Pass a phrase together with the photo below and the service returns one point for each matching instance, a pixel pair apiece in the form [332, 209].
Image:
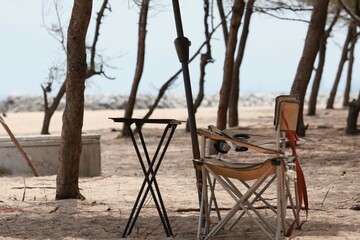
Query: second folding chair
[265, 192]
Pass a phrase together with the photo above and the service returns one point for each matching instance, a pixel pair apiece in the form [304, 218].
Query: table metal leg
[147, 172]
[166, 224]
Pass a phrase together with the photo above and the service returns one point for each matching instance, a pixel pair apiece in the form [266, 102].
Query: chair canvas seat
[240, 171]
[247, 183]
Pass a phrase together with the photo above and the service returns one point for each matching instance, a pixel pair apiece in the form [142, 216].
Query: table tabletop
[150, 120]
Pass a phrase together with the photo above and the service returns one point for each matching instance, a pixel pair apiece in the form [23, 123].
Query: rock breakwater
[106, 101]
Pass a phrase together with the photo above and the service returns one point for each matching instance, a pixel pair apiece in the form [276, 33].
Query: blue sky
[271, 58]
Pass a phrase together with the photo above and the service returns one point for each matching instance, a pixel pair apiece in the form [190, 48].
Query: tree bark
[223, 21]
[139, 62]
[238, 9]
[317, 78]
[235, 89]
[350, 66]
[311, 48]
[320, 68]
[354, 108]
[343, 59]
[71, 144]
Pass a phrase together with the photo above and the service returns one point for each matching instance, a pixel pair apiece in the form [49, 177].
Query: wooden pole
[182, 45]
[17, 144]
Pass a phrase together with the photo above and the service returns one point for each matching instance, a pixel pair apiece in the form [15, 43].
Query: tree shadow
[109, 225]
[90, 225]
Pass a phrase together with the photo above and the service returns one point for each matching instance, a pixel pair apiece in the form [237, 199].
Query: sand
[330, 160]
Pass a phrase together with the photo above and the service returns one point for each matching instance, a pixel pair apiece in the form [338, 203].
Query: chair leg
[240, 199]
[223, 221]
[281, 202]
[296, 213]
[204, 217]
[293, 198]
[201, 209]
[212, 199]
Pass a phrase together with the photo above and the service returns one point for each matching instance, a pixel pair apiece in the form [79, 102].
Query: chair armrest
[219, 135]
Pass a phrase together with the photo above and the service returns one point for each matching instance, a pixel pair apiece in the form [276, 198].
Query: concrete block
[43, 151]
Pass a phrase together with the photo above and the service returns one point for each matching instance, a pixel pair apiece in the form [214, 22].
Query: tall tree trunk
[350, 67]
[320, 68]
[235, 89]
[223, 21]
[70, 148]
[139, 62]
[317, 78]
[354, 108]
[311, 48]
[343, 59]
[238, 9]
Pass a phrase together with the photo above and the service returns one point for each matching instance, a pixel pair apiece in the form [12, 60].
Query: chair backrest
[287, 106]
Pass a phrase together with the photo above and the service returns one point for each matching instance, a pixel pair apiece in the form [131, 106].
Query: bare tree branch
[264, 11]
[56, 31]
[272, 7]
[350, 12]
[100, 15]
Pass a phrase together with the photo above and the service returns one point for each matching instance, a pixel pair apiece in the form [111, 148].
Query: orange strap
[301, 185]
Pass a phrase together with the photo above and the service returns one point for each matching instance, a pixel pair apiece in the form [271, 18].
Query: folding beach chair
[253, 185]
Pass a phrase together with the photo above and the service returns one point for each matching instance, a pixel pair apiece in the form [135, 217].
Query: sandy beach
[330, 160]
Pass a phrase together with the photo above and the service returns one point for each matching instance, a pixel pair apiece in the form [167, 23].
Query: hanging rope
[301, 184]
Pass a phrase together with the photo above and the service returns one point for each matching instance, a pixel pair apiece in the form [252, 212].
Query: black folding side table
[149, 169]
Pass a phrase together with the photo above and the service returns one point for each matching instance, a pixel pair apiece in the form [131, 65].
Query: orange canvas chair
[250, 184]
